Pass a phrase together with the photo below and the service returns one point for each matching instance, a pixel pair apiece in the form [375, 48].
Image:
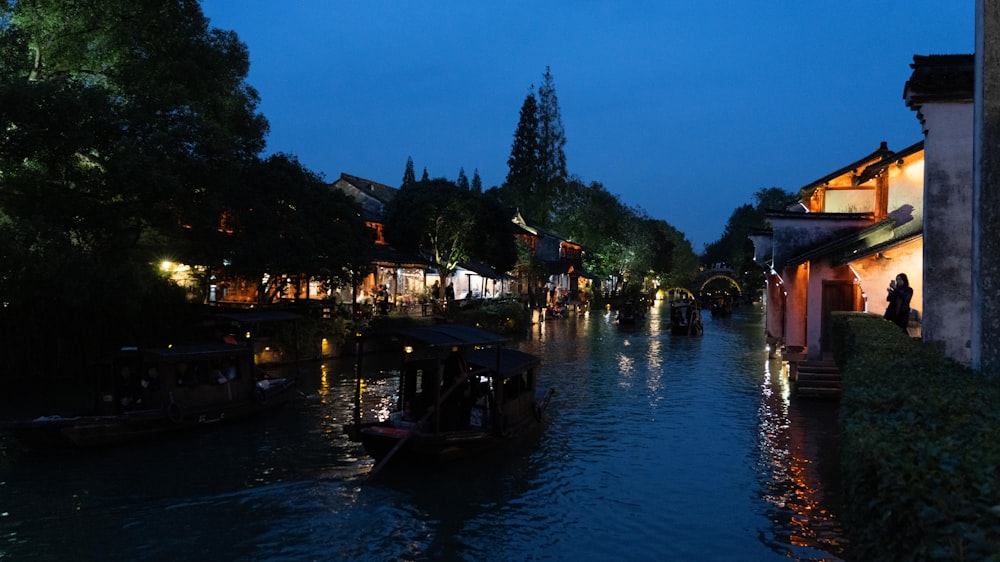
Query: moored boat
[148, 392]
[460, 393]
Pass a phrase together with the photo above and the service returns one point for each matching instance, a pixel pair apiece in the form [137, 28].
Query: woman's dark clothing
[898, 310]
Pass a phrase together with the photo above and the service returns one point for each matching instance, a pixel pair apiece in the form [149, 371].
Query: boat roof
[447, 335]
[257, 316]
[193, 351]
[505, 362]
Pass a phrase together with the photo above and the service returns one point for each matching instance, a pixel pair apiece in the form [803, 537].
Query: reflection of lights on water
[626, 365]
[324, 381]
[788, 482]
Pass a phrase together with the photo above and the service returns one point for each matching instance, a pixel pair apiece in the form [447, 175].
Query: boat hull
[381, 440]
[88, 431]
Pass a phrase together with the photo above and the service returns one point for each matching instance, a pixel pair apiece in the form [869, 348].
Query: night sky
[684, 109]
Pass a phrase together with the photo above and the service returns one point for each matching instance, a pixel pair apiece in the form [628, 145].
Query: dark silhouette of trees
[409, 177]
[521, 186]
[536, 177]
[128, 136]
[288, 226]
[477, 182]
[734, 246]
[452, 224]
[551, 146]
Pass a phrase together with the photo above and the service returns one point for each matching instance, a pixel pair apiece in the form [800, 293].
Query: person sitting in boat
[404, 419]
[150, 383]
[129, 390]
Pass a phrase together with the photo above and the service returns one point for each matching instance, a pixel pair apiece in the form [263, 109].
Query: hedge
[920, 449]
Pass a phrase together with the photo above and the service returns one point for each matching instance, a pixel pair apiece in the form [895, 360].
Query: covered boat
[147, 392]
[460, 393]
[685, 319]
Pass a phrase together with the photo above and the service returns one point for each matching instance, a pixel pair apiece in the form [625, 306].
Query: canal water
[658, 447]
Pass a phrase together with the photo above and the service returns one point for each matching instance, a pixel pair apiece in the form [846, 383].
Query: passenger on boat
[404, 419]
[150, 384]
[130, 391]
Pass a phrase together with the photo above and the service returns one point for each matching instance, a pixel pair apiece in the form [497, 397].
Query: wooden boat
[685, 319]
[147, 392]
[460, 393]
[631, 313]
[722, 308]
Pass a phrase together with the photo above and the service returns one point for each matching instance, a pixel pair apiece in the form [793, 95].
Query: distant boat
[685, 319]
[144, 393]
[460, 393]
[722, 307]
[631, 313]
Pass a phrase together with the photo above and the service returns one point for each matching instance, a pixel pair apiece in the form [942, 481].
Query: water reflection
[658, 447]
[796, 439]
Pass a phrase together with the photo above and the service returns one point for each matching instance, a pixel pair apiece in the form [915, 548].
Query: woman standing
[900, 293]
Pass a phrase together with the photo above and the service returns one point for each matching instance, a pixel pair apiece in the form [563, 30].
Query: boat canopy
[449, 335]
[506, 363]
[190, 352]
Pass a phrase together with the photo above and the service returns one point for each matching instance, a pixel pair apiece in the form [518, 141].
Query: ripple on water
[658, 447]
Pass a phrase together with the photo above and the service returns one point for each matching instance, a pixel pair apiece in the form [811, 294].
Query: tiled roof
[854, 167]
[873, 170]
[940, 78]
[379, 191]
[850, 244]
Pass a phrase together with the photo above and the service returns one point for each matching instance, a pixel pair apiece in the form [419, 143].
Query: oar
[399, 444]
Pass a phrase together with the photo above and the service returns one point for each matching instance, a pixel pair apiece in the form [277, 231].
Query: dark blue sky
[684, 109]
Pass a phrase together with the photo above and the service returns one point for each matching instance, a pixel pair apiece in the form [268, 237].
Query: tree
[598, 221]
[520, 188]
[621, 242]
[537, 176]
[477, 182]
[551, 144]
[120, 124]
[684, 263]
[463, 180]
[409, 177]
[448, 222]
[288, 227]
[734, 246]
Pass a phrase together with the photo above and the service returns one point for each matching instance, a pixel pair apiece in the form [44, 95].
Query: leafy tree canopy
[287, 220]
[452, 224]
[126, 130]
[734, 246]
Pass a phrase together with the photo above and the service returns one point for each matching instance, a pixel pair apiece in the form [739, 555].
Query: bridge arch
[727, 278]
[673, 293]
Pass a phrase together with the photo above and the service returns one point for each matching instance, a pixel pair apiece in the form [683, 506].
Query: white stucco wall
[850, 201]
[947, 278]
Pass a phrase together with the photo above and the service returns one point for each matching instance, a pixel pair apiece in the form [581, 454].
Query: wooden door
[837, 295]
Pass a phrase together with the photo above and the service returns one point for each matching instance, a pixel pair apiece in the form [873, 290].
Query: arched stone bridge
[719, 278]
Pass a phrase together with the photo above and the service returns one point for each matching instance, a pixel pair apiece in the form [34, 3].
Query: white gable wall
[948, 144]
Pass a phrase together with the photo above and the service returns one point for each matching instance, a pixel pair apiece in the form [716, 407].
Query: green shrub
[307, 333]
[502, 317]
[920, 448]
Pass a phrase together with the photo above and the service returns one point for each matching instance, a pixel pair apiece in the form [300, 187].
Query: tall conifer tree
[551, 146]
[463, 180]
[409, 176]
[477, 182]
[523, 164]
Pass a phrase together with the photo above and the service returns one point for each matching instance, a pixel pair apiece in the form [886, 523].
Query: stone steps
[818, 379]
